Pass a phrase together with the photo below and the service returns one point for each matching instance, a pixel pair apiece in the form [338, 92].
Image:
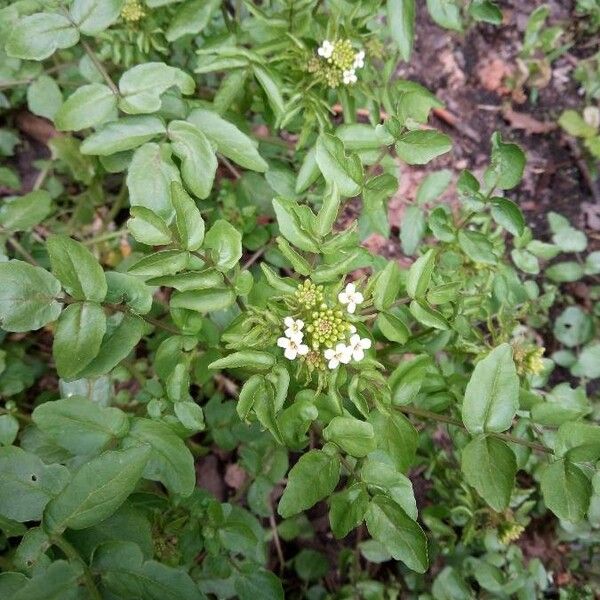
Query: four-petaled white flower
[349, 77]
[326, 49]
[359, 60]
[294, 329]
[292, 348]
[350, 297]
[358, 346]
[342, 354]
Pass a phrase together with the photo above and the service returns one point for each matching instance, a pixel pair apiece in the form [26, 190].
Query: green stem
[507, 437]
[12, 241]
[100, 67]
[71, 553]
[104, 237]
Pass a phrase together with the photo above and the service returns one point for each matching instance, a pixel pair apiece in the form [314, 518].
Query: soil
[471, 74]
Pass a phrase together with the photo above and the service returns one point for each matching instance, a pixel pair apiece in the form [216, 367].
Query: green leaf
[80, 425]
[88, 106]
[252, 583]
[397, 437]
[311, 479]
[249, 359]
[190, 415]
[477, 247]
[191, 18]
[401, 16]
[343, 171]
[490, 466]
[486, 11]
[563, 272]
[353, 436]
[225, 243]
[78, 337]
[492, 395]
[159, 264]
[328, 213]
[123, 287]
[419, 274]
[228, 139]
[392, 328]
[412, 229]
[382, 477]
[126, 575]
[420, 146]
[387, 286]
[170, 462]
[433, 186]
[573, 327]
[147, 227]
[525, 261]
[397, 532]
[427, 315]
[28, 296]
[198, 159]
[94, 16]
[189, 222]
[508, 215]
[96, 490]
[347, 509]
[76, 268]
[292, 226]
[25, 212]
[9, 428]
[142, 85]
[566, 490]
[27, 484]
[567, 238]
[37, 36]
[203, 301]
[60, 581]
[125, 134]
[149, 179]
[267, 80]
[507, 165]
[574, 124]
[588, 362]
[44, 97]
[446, 13]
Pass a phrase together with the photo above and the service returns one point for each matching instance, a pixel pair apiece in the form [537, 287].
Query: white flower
[358, 346]
[349, 77]
[351, 297]
[292, 348]
[294, 329]
[359, 60]
[352, 329]
[341, 354]
[326, 49]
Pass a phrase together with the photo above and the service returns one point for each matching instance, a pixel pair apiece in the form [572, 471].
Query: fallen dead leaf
[492, 73]
[37, 128]
[520, 120]
[235, 476]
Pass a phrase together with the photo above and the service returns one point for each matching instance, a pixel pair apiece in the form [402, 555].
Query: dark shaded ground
[470, 73]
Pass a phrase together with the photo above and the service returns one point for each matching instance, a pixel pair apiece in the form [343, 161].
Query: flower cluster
[510, 532]
[331, 339]
[132, 11]
[528, 359]
[337, 62]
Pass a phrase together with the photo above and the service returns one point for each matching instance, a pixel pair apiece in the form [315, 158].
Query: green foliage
[179, 288]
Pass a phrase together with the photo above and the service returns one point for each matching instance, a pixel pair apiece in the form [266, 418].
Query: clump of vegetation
[178, 284]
